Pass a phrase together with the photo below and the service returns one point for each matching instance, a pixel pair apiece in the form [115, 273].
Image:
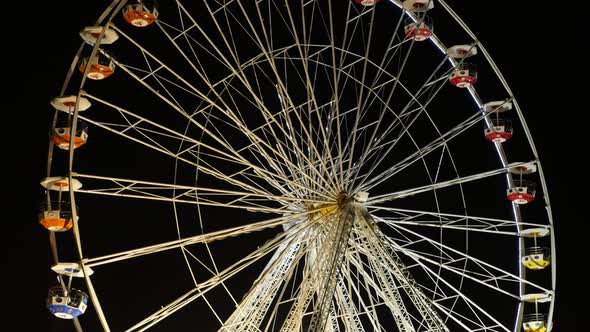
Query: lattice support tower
[394, 265]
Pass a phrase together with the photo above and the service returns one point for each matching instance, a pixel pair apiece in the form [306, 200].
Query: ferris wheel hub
[342, 199]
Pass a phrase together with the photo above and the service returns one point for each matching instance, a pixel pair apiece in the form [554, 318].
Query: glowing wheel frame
[346, 173]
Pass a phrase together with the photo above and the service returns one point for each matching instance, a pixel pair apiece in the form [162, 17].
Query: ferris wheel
[293, 166]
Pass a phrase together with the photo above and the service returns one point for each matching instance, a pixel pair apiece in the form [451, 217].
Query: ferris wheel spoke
[459, 222]
[253, 201]
[176, 78]
[356, 29]
[217, 278]
[197, 239]
[340, 118]
[216, 137]
[253, 94]
[222, 52]
[475, 317]
[455, 261]
[306, 166]
[422, 90]
[466, 323]
[352, 16]
[484, 277]
[443, 184]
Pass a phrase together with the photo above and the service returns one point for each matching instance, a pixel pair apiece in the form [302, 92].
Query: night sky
[535, 49]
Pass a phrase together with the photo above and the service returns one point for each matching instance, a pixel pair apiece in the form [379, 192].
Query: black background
[537, 48]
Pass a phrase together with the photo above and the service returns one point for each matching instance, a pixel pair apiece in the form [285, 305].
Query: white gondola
[60, 183]
[499, 106]
[71, 269]
[68, 103]
[462, 51]
[90, 35]
[536, 297]
[367, 3]
[535, 232]
[528, 168]
[418, 6]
